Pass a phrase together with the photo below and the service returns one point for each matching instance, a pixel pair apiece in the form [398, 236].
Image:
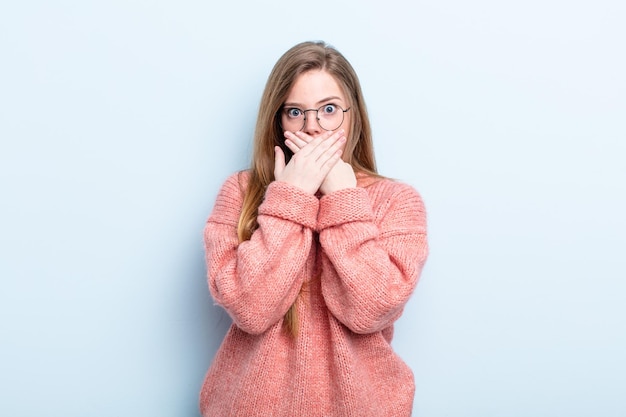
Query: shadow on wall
[210, 324]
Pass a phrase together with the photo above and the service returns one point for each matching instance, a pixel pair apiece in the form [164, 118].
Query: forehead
[314, 85]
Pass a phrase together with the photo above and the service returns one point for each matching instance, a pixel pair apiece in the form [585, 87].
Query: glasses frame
[304, 112]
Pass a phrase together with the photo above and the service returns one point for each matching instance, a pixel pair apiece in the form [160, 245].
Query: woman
[313, 255]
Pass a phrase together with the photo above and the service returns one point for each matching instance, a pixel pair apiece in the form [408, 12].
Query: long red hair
[359, 151]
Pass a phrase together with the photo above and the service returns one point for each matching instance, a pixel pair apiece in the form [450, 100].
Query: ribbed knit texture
[351, 259]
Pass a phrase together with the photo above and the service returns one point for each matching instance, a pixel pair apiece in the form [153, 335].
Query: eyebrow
[318, 103]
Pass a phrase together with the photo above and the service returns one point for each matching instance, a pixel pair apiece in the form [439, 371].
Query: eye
[329, 109]
[294, 112]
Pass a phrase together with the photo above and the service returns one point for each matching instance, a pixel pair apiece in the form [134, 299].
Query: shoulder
[388, 188]
[236, 182]
[234, 186]
[230, 198]
[394, 197]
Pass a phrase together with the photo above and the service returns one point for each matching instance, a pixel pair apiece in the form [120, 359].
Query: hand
[340, 176]
[310, 166]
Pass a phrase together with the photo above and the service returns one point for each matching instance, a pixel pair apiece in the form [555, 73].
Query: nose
[311, 124]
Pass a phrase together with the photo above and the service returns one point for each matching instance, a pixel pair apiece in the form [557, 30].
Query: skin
[316, 164]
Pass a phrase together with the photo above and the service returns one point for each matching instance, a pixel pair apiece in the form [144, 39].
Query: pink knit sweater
[352, 259]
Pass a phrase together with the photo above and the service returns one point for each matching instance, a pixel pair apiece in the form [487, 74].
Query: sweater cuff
[344, 206]
[291, 203]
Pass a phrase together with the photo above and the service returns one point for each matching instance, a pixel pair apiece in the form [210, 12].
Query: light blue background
[119, 120]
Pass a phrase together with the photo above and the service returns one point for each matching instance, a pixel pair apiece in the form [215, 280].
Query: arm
[373, 258]
[256, 281]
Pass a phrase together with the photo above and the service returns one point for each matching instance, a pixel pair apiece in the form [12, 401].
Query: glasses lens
[330, 116]
[292, 119]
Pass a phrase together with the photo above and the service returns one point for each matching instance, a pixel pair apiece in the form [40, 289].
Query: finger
[321, 143]
[331, 162]
[327, 137]
[279, 161]
[328, 146]
[292, 146]
[299, 143]
[329, 154]
[332, 149]
[308, 138]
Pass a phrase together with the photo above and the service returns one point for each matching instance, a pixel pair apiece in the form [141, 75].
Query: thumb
[279, 161]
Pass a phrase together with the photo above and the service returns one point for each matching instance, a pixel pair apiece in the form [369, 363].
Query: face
[316, 89]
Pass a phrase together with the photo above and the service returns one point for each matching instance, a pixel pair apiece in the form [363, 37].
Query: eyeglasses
[329, 117]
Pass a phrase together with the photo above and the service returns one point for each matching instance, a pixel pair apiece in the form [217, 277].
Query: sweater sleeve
[257, 280]
[377, 256]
